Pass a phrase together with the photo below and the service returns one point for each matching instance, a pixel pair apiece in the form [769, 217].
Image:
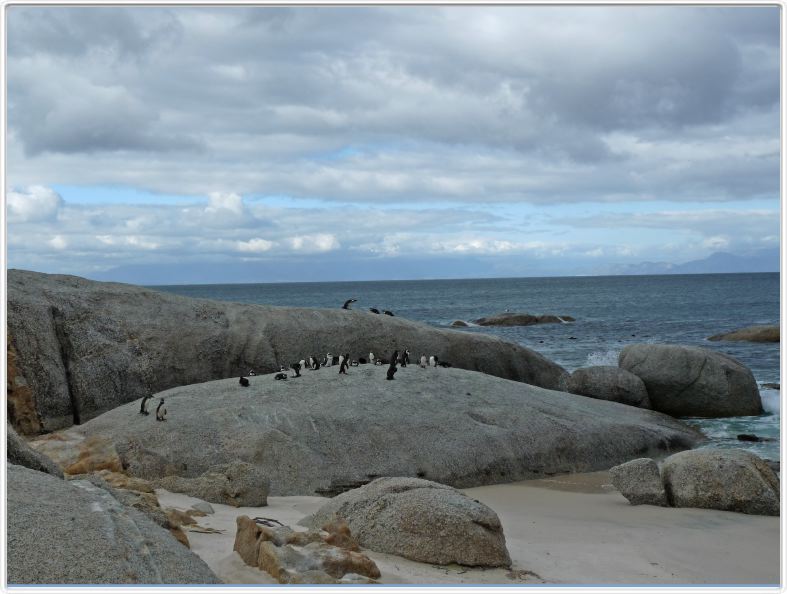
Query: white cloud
[256, 245]
[35, 203]
[320, 242]
[58, 242]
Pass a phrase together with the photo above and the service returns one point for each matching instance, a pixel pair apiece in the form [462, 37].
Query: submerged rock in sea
[459, 324]
[687, 381]
[609, 383]
[74, 532]
[639, 481]
[84, 347]
[238, 484]
[751, 334]
[325, 431]
[521, 319]
[731, 480]
[419, 520]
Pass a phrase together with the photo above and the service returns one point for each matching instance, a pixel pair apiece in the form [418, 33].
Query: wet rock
[751, 334]
[521, 319]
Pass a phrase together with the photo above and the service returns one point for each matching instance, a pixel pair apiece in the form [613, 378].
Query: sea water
[611, 312]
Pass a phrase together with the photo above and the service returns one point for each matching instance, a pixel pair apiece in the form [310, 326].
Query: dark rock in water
[85, 347]
[454, 426]
[419, 520]
[609, 383]
[74, 532]
[751, 334]
[521, 319]
[748, 437]
[731, 480]
[771, 386]
[20, 453]
[693, 382]
[459, 324]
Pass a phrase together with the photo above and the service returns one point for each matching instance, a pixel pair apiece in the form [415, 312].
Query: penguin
[371, 357]
[280, 376]
[348, 302]
[404, 358]
[296, 367]
[161, 413]
[328, 360]
[282, 369]
[243, 382]
[354, 363]
[302, 363]
[423, 361]
[343, 365]
[143, 408]
[386, 312]
[251, 373]
[374, 310]
[392, 366]
[431, 361]
[341, 360]
[444, 364]
[315, 363]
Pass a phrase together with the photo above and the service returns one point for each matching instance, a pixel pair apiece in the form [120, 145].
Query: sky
[251, 144]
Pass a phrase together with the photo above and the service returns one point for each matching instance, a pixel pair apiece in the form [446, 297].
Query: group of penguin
[374, 310]
[161, 412]
[313, 363]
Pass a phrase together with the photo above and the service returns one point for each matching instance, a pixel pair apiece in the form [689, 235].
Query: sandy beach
[573, 529]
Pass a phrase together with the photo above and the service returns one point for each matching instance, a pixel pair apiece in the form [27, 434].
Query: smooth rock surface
[323, 431]
[73, 532]
[419, 520]
[693, 382]
[609, 383]
[751, 334]
[20, 453]
[731, 480]
[639, 481]
[85, 347]
[521, 319]
[237, 483]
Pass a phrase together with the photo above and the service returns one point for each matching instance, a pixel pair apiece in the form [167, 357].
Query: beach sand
[572, 529]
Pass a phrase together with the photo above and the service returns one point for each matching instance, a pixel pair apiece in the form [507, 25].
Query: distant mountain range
[718, 262]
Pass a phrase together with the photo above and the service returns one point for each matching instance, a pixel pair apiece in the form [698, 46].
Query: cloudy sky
[244, 144]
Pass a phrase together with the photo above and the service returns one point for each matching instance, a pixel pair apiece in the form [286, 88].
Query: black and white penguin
[143, 408]
[341, 360]
[423, 361]
[386, 312]
[348, 302]
[432, 361]
[371, 357]
[315, 363]
[392, 366]
[344, 364]
[251, 373]
[445, 364]
[354, 363]
[374, 310]
[161, 413]
[243, 382]
[280, 376]
[302, 363]
[404, 358]
[296, 367]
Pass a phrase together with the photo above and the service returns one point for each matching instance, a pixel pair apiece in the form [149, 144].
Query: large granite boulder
[687, 381]
[238, 484]
[521, 319]
[324, 432]
[74, 532]
[419, 520]
[20, 453]
[85, 347]
[751, 334]
[609, 383]
[639, 481]
[732, 480]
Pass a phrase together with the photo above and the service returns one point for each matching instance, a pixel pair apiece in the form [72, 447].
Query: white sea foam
[609, 357]
[771, 400]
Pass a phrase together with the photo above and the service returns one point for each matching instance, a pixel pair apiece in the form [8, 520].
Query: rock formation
[419, 520]
[521, 319]
[751, 334]
[84, 347]
[238, 484]
[74, 532]
[639, 481]
[609, 383]
[20, 453]
[326, 431]
[693, 382]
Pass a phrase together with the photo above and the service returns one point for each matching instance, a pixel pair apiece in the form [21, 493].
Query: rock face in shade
[20, 453]
[521, 319]
[693, 382]
[609, 383]
[85, 347]
[731, 480]
[323, 433]
[419, 520]
[751, 334]
[73, 532]
[639, 481]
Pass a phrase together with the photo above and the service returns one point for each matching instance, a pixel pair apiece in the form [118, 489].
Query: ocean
[611, 312]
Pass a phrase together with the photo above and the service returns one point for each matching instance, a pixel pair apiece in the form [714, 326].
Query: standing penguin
[344, 362]
[348, 302]
[296, 367]
[431, 361]
[302, 363]
[143, 408]
[371, 357]
[341, 360]
[328, 360]
[161, 413]
[392, 366]
[423, 361]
